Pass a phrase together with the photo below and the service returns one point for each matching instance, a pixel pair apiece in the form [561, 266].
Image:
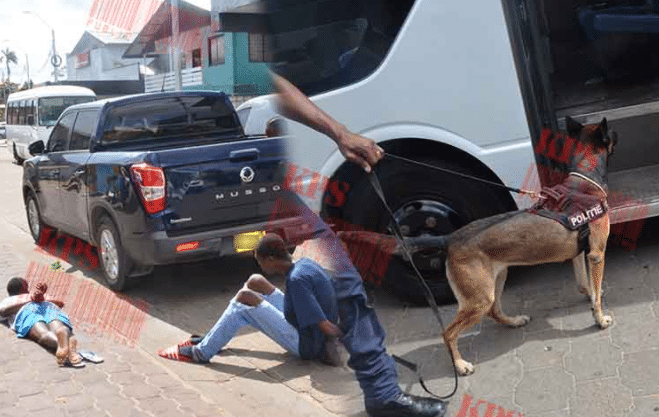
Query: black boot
[409, 406]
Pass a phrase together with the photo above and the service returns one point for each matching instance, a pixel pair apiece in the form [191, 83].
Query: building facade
[211, 59]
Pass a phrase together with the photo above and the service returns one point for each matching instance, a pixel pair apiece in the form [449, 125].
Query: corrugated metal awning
[159, 27]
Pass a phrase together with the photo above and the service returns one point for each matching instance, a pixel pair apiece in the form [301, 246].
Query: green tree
[10, 57]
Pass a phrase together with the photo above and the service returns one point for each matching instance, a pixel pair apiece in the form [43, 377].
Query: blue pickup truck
[155, 179]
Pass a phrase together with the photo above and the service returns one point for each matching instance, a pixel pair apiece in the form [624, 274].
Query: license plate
[247, 241]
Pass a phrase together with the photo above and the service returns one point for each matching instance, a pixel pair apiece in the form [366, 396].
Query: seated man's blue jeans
[267, 317]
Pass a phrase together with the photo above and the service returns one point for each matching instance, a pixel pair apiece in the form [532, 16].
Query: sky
[31, 39]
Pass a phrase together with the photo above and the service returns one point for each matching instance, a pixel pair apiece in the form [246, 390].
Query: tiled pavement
[128, 383]
[559, 365]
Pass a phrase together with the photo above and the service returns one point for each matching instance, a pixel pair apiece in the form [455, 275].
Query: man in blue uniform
[363, 336]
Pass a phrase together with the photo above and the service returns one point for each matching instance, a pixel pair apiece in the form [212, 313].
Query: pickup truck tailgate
[221, 185]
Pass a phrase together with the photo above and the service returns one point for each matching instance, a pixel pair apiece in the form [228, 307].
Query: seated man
[304, 325]
[315, 313]
[38, 317]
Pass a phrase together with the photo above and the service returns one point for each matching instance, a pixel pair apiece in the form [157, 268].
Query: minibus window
[50, 108]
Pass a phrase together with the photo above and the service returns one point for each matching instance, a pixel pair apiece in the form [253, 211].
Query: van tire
[454, 201]
[113, 260]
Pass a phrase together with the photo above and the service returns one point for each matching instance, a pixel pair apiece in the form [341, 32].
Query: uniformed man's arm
[294, 105]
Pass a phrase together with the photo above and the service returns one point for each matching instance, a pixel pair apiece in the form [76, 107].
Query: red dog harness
[571, 208]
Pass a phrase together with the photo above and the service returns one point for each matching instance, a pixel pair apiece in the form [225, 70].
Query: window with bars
[259, 47]
[196, 58]
[216, 50]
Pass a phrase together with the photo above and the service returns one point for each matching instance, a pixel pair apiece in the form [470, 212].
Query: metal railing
[166, 81]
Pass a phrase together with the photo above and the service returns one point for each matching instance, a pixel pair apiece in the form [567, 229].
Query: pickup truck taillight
[150, 182]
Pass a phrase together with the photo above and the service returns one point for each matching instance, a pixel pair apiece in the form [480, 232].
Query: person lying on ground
[39, 317]
[302, 321]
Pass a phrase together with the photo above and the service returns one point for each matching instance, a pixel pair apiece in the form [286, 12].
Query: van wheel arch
[397, 174]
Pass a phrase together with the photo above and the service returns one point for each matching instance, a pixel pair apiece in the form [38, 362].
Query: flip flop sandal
[68, 364]
[173, 354]
[90, 356]
[191, 341]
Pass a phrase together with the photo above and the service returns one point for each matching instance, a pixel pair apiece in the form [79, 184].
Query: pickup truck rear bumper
[157, 248]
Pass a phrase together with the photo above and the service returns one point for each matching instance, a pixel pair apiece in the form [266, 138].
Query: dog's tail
[361, 240]
[422, 243]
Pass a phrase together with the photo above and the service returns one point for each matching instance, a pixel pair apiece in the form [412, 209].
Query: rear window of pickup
[170, 117]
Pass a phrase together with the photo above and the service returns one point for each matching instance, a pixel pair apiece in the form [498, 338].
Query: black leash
[449, 171]
[428, 293]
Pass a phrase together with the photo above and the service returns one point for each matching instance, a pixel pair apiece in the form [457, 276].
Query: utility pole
[55, 60]
[177, 52]
[27, 65]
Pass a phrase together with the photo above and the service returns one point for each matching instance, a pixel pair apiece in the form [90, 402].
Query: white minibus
[466, 85]
[31, 114]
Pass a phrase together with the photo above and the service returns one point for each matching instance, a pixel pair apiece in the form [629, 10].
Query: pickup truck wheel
[17, 158]
[113, 260]
[34, 221]
[424, 202]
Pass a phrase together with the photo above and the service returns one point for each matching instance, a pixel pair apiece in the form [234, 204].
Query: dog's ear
[603, 132]
[573, 127]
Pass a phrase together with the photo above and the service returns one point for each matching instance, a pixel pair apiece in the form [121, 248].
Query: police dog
[479, 254]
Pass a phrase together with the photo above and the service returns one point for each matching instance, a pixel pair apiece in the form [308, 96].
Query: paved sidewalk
[559, 365]
[129, 383]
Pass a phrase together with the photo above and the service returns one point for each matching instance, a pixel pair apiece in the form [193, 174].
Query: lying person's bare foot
[75, 360]
[62, 354]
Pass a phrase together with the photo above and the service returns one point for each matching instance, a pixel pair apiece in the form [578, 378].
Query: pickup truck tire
[112, 258]
[425, 202]
[37, 226]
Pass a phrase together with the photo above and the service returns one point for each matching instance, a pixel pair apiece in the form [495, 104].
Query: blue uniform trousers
[364, 339]
[363, 335]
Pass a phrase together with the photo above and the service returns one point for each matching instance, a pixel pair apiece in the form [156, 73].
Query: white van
[467, 85]
[31, 114]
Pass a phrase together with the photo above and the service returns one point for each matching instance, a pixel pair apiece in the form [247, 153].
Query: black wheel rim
[428, 217]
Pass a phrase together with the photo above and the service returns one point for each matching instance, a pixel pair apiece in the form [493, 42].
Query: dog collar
[576, 174]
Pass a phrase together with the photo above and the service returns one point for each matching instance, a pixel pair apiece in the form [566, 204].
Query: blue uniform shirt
[345, 277]
[308, 300]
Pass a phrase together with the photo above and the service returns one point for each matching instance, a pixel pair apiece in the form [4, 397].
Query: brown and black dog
[479, 254]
